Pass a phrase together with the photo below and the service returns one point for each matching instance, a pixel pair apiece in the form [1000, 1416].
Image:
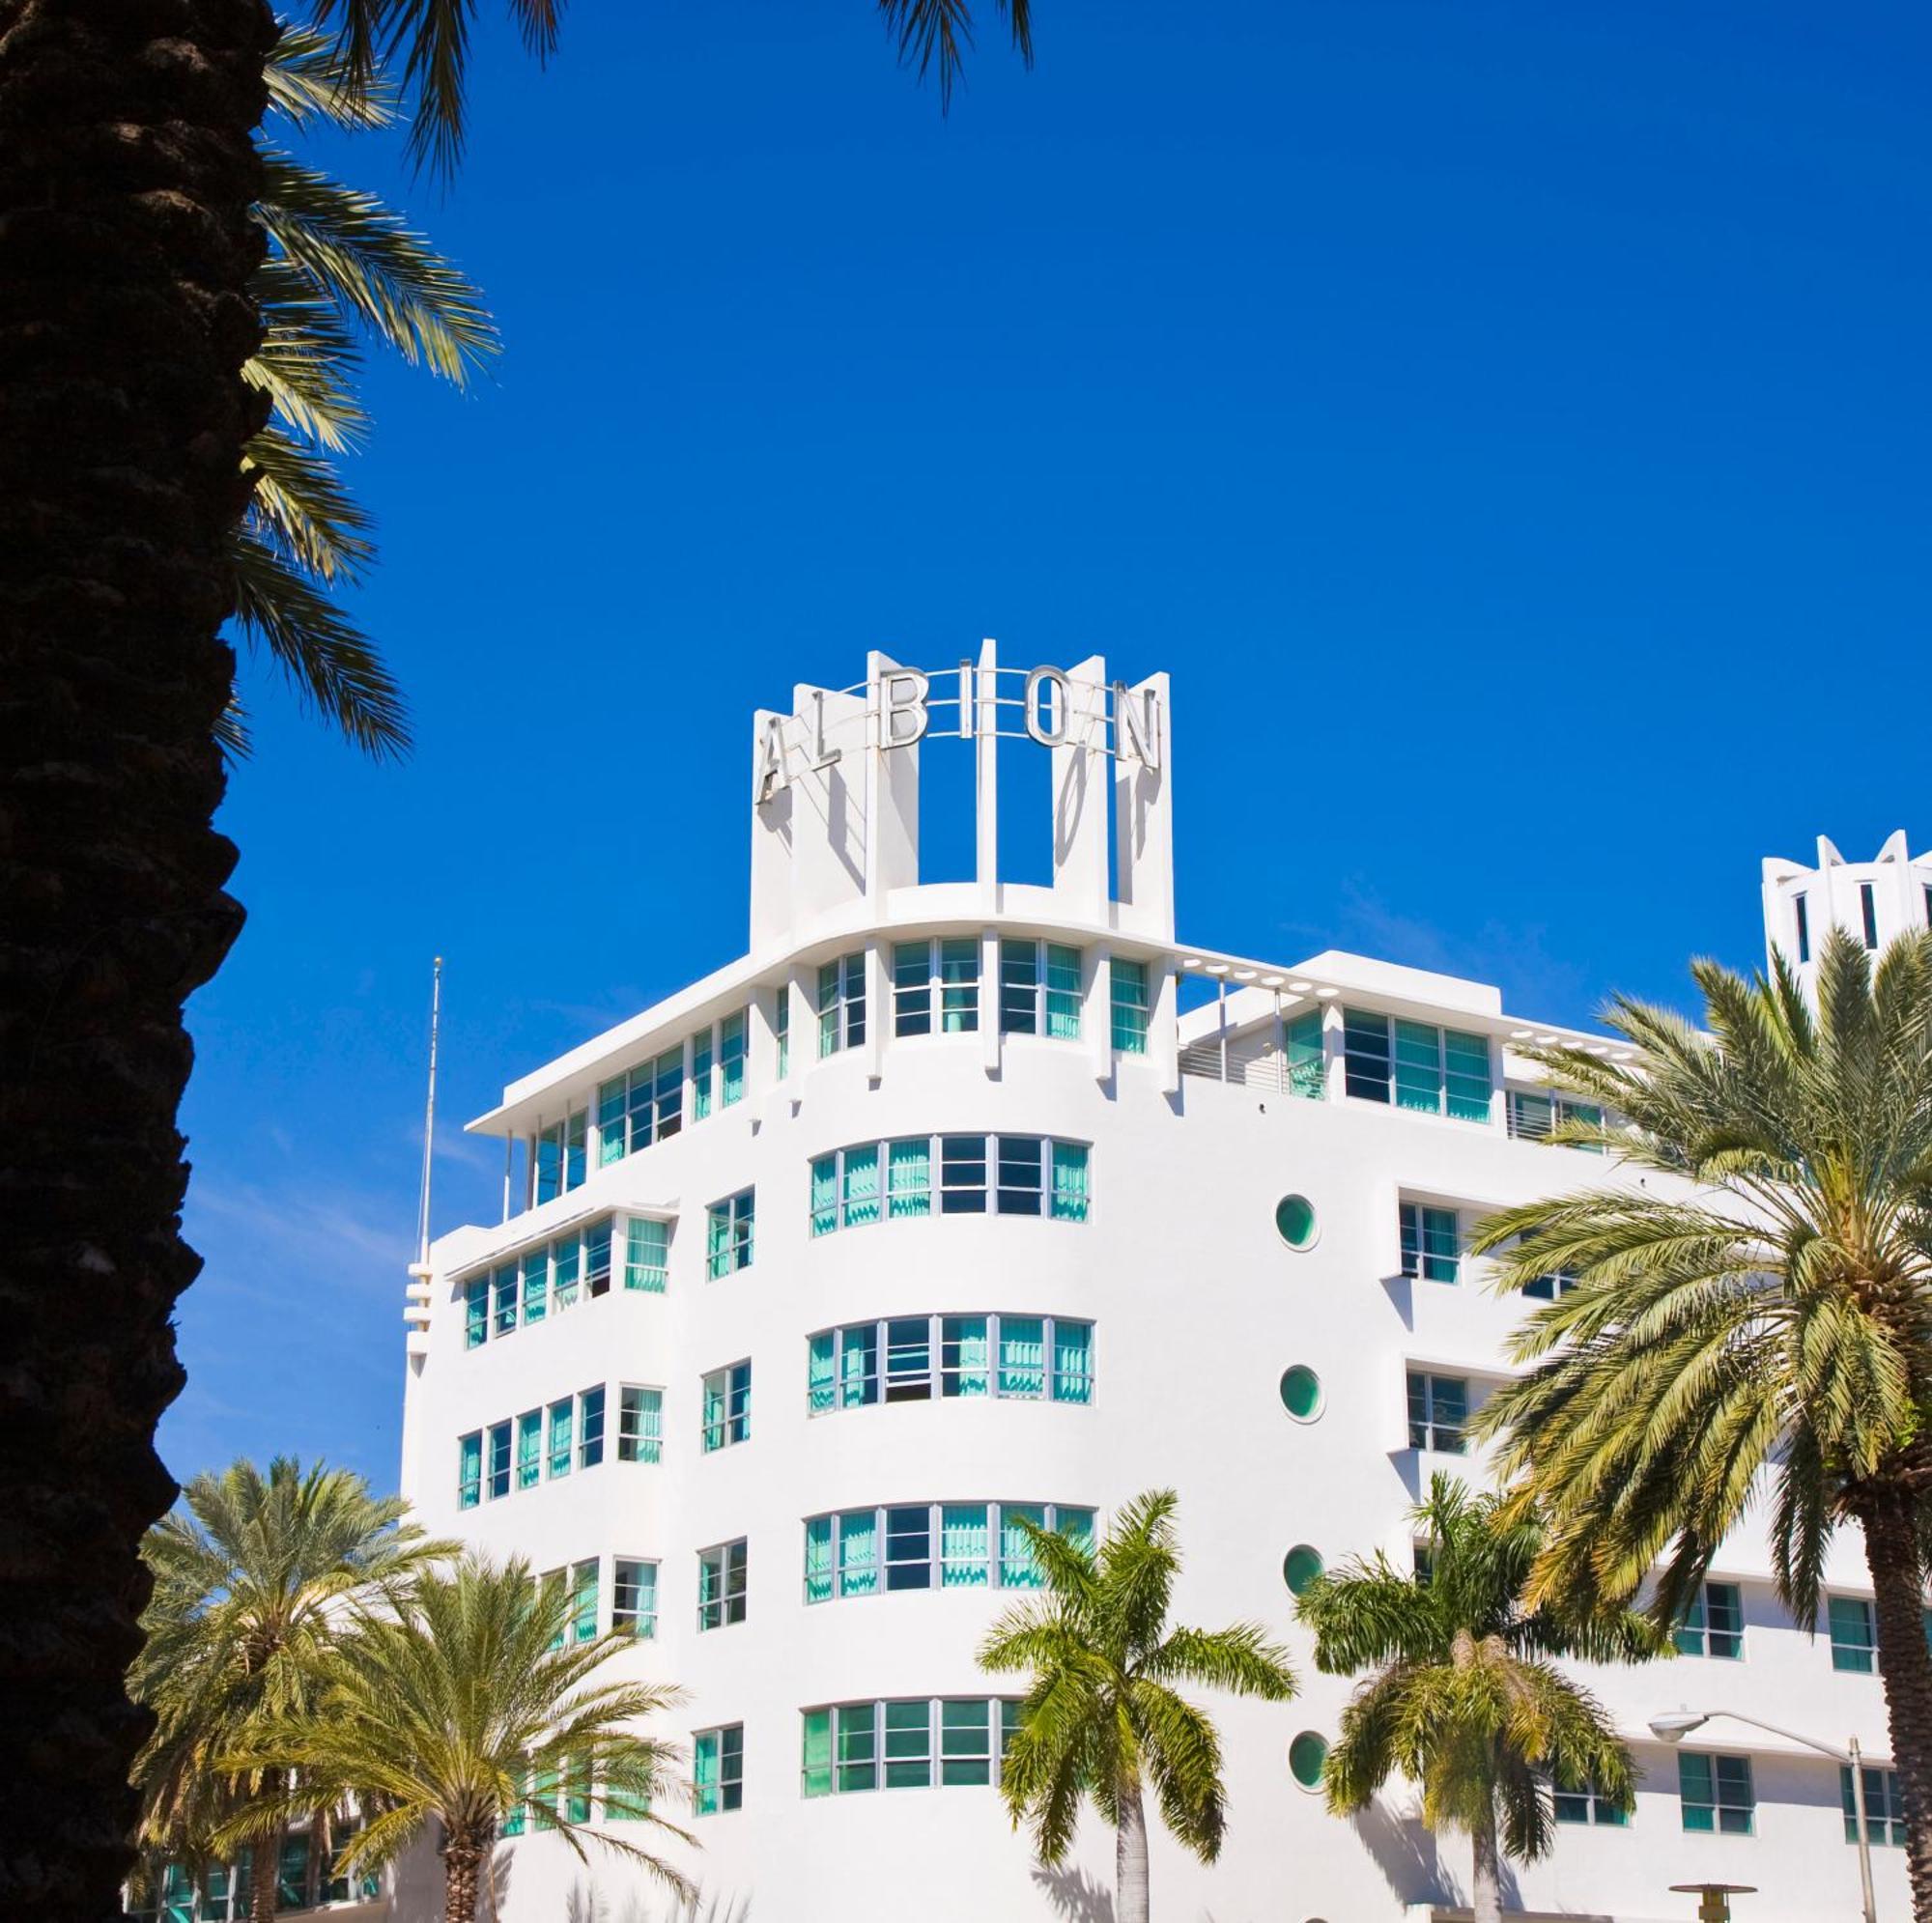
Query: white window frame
[639, 1621]
[1028, 1007]
[1052, 1516]
[937, 1372]
[719, 1559]
[840, 1003]
[640, 1424]
[736, 1401]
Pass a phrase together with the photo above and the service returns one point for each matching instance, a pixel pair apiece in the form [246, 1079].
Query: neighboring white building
[944, 1201]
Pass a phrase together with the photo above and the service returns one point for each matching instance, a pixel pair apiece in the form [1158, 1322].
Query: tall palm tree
[463, 1706]
[129, 176]
[1467, 1701]
[1753, 1316]
[253, 1576]
[1102, 1719]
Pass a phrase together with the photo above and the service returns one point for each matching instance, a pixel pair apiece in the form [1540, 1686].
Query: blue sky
[1507, 422]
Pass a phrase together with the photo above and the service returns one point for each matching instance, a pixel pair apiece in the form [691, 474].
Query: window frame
[840, 1003]
[641, 1621]
[1698, 1634]
[1426, 1430]
[726, 1748]
[875, 1575]
[1717, 1766]
[827, 1390]
[856, 1757]
[721, 1562]
[726, 1254]
[1416, 1222]
[640, 1423]
[732, 1424]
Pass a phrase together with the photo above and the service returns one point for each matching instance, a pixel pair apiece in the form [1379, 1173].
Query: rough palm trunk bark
[265, 1892]
[1130, 1858]
[1486, 1880]
[127, 172]
[1905, 1666]
[461, 1862]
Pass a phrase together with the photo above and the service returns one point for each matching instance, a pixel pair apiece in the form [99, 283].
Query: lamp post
[1672, 1726]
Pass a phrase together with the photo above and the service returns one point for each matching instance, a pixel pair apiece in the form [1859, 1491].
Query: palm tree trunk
[1130, 1858]
[265, 1892]
[460, 1862]
[1905, 1667]
[125, 178]
[1486, 1882]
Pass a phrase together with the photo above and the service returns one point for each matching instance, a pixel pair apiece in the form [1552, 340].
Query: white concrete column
[989, 999]
[1096, 1002]
[1164, 1028]
[986, 773]
[878, 1003]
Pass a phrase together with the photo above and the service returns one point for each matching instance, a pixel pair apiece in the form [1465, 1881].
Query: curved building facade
[952, 1201]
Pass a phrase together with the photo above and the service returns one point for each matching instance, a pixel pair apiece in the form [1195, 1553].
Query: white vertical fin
[1080, 785]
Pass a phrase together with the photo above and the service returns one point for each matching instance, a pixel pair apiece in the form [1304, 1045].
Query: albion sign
[901, 706]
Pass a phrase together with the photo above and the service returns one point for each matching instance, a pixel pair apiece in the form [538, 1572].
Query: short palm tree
[1467, 1701]
[253, 1575]
[1102, 1719]
[1753, 1316]
[466, 1705]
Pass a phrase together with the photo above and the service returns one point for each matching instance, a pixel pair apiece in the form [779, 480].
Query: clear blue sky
[1519, 411]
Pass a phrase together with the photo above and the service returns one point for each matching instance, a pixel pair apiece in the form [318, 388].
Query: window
[641, 1106]
[728, 1243]
[1036, 1357]
[1436, 1071]
[718, 1769]
[732, 1059]
[529, 1449]
[701, 1075]
[721, 1585]
[469, 1470]
[646, 1254]
[1804, 916]
[560, 1160]
[1032, 1174]
[855, 1746]
[539, 1281]
[1534, 1115]
[781, 1026]
[1307, 1069]
[1868, 914]
[1547, 1286]
[1714, 1624]
[1438, 1410]
[841, 1004]
[1716, 1792]
[727, 1406]
[590, 1428]
[563, 1436]
[931, 1545]
[634, 1598]
[292, 1873]
[1432, 1243]
[583, 1602]
[500, 1460]
[1130, 994]
[1040, 990]
[1585, 1802]
[640, 1424]
[1853, 1635]
[477, 1310]
[949, 965]
[1884, 1808]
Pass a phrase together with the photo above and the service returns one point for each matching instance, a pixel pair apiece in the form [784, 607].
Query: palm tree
[1467, 1701]
[128, 254]
[340, 265]
[252, 1578]
[1102, 1718]
[464, 1705]
[1753, 1314]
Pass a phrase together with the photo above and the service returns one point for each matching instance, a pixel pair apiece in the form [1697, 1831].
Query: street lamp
[1672, 1726]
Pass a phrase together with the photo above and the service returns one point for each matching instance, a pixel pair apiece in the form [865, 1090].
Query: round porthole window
[1301, 1393]
[1307, 1758]
[1301, 1567]
[1294, 1220]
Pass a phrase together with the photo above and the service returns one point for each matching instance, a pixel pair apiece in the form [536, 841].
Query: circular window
[1301, 1393]
[1294, 1220]
[1301, 1567]
[1307, 1758]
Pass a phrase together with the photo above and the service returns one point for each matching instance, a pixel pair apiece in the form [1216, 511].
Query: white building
[945, 1201]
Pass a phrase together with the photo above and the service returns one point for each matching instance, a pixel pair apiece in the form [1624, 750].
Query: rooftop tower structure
[1875, 901]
